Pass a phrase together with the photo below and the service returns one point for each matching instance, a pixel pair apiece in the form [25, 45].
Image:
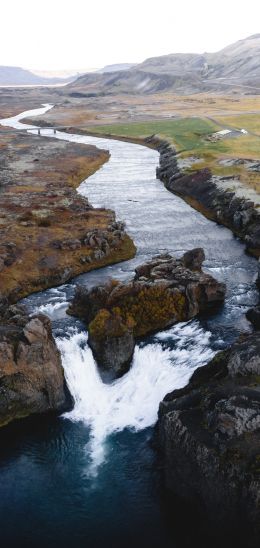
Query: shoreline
[201, 192]
[169, 173]
[49, 232]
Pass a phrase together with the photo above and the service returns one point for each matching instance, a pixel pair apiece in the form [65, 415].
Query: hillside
[174, 63]
[236, 68]
[115, 68]
[131, 81]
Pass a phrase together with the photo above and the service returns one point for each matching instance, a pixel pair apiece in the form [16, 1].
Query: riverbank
[206, 194]
[47, 230]
[228, 164]
[49, 233]
[219, 198]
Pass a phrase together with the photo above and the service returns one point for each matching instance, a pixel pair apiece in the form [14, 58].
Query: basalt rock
[193, 259]
[210, 437]
[31, 373]
[201, 190]
[164, 291]
[253, 315]
[112, 341]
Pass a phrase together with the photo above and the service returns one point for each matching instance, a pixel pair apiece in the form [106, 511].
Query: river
[93, 476]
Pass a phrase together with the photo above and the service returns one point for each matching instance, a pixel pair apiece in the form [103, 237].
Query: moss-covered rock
[164, 291]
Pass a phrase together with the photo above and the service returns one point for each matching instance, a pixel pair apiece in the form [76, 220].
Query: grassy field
[249, 121]
[189, 136]
[184, 133]
[185, 121]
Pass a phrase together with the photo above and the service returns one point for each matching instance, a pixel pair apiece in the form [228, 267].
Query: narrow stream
[92, 475]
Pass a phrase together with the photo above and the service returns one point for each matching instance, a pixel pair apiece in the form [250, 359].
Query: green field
[185, 133]
[189, 136]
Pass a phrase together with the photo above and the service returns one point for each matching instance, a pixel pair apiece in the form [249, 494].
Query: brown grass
[41, 207]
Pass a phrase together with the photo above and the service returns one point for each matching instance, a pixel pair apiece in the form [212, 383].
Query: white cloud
[57, 34]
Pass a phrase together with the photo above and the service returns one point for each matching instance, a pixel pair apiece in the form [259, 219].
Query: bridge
[37, 129]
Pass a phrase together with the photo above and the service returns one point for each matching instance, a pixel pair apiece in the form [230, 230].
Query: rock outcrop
[201, 191]
[253, 314]
[210, 437]
[112, 340]
[31, 373]
[164, 291]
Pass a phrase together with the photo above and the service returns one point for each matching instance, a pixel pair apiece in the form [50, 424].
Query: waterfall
[133, 400]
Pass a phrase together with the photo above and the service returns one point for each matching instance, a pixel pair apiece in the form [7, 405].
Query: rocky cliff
[209, 434]
[202, 192]
[31, 373]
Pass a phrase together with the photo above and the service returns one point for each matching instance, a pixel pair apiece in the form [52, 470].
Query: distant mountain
[235, 67]
[16, 76]
[174, 63]
[115, 68]
[60, 74]
[132, 81]
[239, 60]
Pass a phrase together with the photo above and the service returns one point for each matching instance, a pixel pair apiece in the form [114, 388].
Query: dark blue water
[95, 476]
[46, 494]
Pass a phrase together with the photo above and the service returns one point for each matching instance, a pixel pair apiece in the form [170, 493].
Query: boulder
[253, 315]
[34, 330]
[244, 358]
[112, 341]
[193, 259]
[31, 373]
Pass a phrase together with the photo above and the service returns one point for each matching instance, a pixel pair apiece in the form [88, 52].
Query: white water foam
[55, 311]
[133, 400]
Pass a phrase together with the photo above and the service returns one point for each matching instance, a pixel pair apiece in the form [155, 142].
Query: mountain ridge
[236, 66]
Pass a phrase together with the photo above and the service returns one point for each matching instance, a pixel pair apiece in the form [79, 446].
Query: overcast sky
[79, 34]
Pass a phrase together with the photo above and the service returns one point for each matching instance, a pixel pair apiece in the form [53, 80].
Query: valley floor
[192, 123]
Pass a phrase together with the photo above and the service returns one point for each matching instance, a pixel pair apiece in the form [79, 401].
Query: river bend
[93, 473]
